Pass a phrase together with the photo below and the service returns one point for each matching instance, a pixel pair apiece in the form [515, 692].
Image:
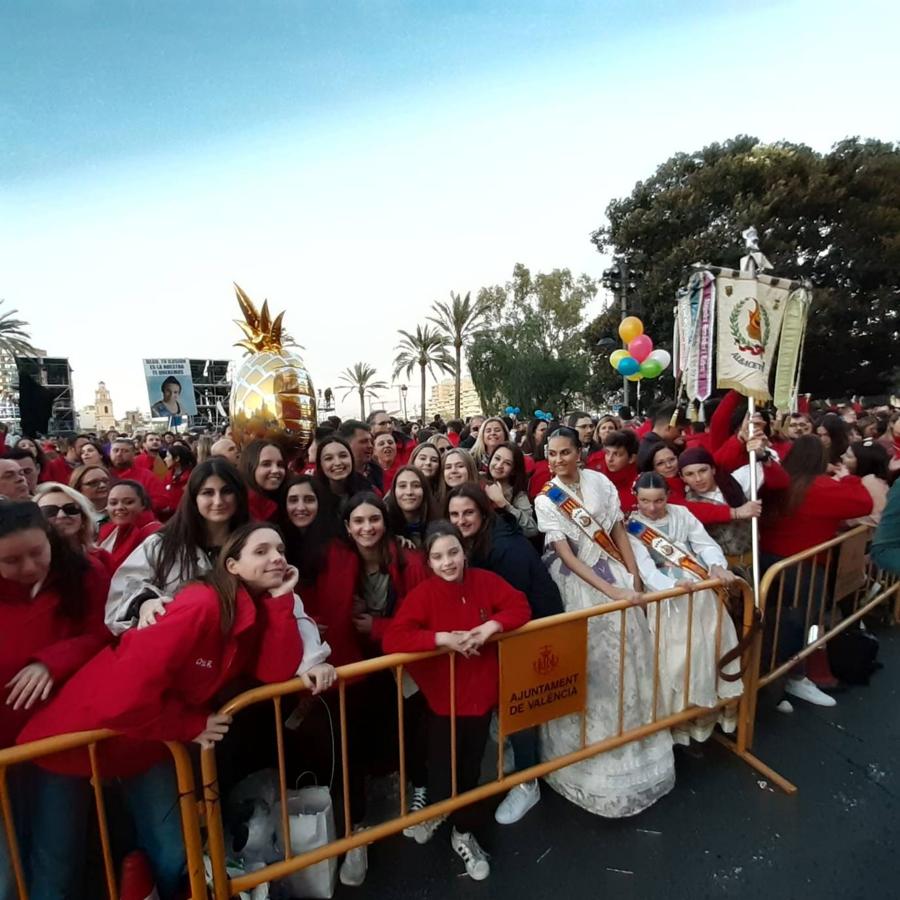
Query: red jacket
[826, 505]
[32, 631]
[56, 469]
[157, 684]
[262, 509]
[720, 423]
[707, 513]
[539, 477]
[175, 486]
[152, 485]
[330, 600]
[126, 538]
[152, 464]
[438, 605]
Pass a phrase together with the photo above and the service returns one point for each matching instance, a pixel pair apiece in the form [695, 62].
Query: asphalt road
[723, 831]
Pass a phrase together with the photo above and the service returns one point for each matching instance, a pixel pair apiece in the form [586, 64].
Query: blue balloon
[539, 414]
[628, 366]
[516, 410]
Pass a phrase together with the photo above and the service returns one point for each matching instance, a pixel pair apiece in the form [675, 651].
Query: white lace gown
[706, 687]
[624, 781]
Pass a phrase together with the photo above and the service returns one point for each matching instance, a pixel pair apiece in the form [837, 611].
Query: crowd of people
[143, 580]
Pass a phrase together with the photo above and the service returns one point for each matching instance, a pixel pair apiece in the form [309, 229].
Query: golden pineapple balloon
[272, 394]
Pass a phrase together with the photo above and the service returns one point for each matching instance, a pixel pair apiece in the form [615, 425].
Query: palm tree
[459, 320]
[359, 378]
[427, 349]
[14, 339]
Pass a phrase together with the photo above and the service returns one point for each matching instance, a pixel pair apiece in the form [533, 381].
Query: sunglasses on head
[51, 511]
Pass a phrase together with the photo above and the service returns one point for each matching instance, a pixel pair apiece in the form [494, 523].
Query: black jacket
[513, 558]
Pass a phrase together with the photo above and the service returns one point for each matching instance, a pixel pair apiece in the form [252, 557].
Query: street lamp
[621, 280]
[403, 390]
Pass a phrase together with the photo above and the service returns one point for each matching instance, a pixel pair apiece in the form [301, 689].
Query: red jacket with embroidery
[329, 601]
[31, 630]
[157, 684]
[438, 605]
[826, 505]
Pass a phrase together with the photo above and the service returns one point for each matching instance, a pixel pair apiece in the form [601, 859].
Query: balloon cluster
[546, 416]
[639, 360]
[512, 410]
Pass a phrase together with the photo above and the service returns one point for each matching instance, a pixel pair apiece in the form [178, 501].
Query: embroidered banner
[750, 311]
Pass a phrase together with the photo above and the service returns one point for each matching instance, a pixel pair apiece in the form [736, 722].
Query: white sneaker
[469, 851]
[785, 706]
[804, 689]
[424, 832]
[517, 802]
[419, 801]
[355, 865]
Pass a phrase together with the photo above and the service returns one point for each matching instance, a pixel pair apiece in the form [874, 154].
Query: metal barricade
[27, 754]
[832, 586]
[225, 886]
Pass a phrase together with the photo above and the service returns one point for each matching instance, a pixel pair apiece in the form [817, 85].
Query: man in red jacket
[121, 455]
[149, 459]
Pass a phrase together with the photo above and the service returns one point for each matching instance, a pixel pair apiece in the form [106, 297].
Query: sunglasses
[67, 509]
[100, 482]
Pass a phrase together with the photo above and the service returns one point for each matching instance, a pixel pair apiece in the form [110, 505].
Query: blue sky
[353, 162]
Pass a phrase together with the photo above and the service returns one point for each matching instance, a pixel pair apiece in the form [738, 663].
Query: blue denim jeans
[50, 813]
[152, 799]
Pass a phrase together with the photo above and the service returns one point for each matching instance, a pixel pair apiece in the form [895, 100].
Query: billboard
[170, 388]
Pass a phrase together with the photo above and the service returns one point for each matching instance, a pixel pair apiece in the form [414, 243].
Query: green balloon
[650, 368]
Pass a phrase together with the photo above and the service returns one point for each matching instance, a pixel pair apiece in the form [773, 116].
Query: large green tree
[532, 353]
[833, 218]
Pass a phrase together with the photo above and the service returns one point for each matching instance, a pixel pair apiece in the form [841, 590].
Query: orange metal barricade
[833, 586]
[190, 813]
[225, 886]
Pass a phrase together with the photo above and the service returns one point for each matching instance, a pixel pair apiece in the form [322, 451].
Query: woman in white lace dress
[626, 780]
[686, 533]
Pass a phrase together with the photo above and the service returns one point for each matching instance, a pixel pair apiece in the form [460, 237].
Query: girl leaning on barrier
[711, 628]
[51, 623]
[494, 542]
[591, 561]
[458, 608]
[158, 683]
[806, 514]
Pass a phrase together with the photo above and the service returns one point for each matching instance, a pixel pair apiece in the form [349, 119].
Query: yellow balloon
[636, 377]
[630, 328]
[616, 356]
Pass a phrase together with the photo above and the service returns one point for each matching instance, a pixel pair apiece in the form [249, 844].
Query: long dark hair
[184, 457]
[806, 460]
[68, 566]
[648, 450]
[839, 434]
[530, 446]
[518, 478]
[389, 550]
[480, 544]
[184, 535]
[427, 511]
[225, 584]
[329, 502]
[871, 459]
[249, 462]
[305, 549]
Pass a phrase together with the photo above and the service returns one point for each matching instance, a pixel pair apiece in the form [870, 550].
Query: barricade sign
[543, 675]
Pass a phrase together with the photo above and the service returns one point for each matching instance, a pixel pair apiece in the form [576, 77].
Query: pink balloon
[640, 347]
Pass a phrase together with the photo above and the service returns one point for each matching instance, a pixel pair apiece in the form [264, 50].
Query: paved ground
[723, 832]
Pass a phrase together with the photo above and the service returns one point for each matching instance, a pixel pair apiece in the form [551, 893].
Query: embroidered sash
[568, 504]
[671, 553]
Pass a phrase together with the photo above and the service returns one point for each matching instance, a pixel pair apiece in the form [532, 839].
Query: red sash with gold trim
[671, 553]
[583, 519]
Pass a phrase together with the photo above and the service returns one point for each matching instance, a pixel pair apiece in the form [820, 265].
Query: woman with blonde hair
[457, 467]
[492, 434]
[70, 513]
